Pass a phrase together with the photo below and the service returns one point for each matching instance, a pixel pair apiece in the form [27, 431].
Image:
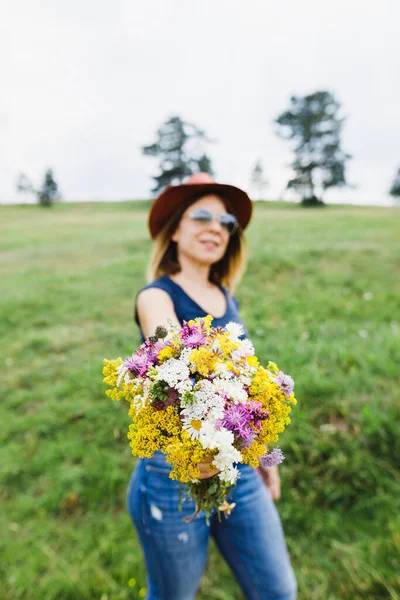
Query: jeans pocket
[159, 469]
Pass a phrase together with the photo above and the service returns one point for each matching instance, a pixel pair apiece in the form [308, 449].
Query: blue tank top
[186, 308]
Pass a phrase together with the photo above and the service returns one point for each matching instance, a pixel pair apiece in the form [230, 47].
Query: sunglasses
[204, 216]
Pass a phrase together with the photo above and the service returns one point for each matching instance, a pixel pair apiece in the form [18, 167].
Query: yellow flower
[207, 322]
[152, 430]
[184, 454]
[110, 370]
[252, 454]
[272, 366]
[263, 389]
[232, 367]
[252, 361]
[204, 361]
[226, 344]
[165, 353]
[115, 394]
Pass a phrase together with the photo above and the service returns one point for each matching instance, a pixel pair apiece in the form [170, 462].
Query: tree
[313, 122]
[180, 149]
[395, 189]
[46, 194]
[257, 179]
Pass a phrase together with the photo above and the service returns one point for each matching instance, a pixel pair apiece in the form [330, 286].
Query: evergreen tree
[180, 149]
[46, 194]
[314, 124]
[257, 180]
[395, 189]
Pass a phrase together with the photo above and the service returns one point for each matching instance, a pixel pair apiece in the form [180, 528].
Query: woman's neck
[193, 273]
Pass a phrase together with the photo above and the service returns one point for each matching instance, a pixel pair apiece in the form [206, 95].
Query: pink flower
[285, 383]
[144, 358]
[192, 336]
[273, 458]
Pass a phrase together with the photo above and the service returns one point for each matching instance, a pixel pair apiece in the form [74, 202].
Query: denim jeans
[251, 539]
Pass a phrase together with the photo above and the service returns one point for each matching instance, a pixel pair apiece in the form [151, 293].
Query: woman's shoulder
[162, 283]
[149, 296]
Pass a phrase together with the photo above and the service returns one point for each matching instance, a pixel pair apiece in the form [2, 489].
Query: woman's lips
[209, 244]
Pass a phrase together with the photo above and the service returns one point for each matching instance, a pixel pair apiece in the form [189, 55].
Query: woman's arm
[155, 307]
[270, 476]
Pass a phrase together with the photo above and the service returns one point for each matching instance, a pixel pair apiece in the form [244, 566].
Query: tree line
[312, 124]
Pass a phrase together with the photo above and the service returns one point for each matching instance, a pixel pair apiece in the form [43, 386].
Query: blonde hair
[164, 257]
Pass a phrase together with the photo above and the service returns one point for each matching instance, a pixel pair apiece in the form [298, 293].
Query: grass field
[321, 297]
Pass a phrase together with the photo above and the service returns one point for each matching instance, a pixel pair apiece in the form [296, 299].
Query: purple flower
[192, 336]
[237, 419]
[285, 382]
[273, 458]
[138, 363]
[194, 340]
[153, 350]
[248, 439]
[241, 420]
[257, 412]
[144, 358]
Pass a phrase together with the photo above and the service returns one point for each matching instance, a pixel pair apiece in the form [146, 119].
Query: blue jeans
[250, 539]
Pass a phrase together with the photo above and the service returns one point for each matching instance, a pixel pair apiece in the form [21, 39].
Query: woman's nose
[215, 225]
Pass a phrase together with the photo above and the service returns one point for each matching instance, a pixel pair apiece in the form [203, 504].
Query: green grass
[321, 297]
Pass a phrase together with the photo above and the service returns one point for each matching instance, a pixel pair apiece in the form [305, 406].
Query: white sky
[85, 83]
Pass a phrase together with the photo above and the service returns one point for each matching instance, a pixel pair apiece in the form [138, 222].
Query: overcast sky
[85, 83]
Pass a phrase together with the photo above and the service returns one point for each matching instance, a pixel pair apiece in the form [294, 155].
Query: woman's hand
[204, 467]
[270, 476]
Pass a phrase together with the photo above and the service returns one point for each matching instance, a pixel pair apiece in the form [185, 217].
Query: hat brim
[173, 196]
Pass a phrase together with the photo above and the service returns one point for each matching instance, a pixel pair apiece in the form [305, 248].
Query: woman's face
[204, 243]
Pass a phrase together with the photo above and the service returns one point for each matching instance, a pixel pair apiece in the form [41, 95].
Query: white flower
[127, 378]
[222, 371]
[184, 386]
[172, 371]
[246, 349]
[193, 411]
[141, 400]
[216, 412]
[207, 435]
[202, 412]
[193, 426]
[231, 475]
[235, 329]
[245, 379]
[233, 388]
[213, 438]
[224, 440]
[226, 456]
[221, 440]
[121, 371]
[207, 403]
[185, 354]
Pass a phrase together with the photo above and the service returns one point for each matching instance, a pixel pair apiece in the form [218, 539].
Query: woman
[197, 260]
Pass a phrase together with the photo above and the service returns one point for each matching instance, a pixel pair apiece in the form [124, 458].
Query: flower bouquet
[199, 394]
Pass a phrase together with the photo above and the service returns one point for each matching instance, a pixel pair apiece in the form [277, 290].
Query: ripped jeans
[251, 540]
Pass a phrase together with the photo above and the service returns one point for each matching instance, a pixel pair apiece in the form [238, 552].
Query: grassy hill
[321, 297]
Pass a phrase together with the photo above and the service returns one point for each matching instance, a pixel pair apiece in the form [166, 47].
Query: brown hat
[168, 201]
